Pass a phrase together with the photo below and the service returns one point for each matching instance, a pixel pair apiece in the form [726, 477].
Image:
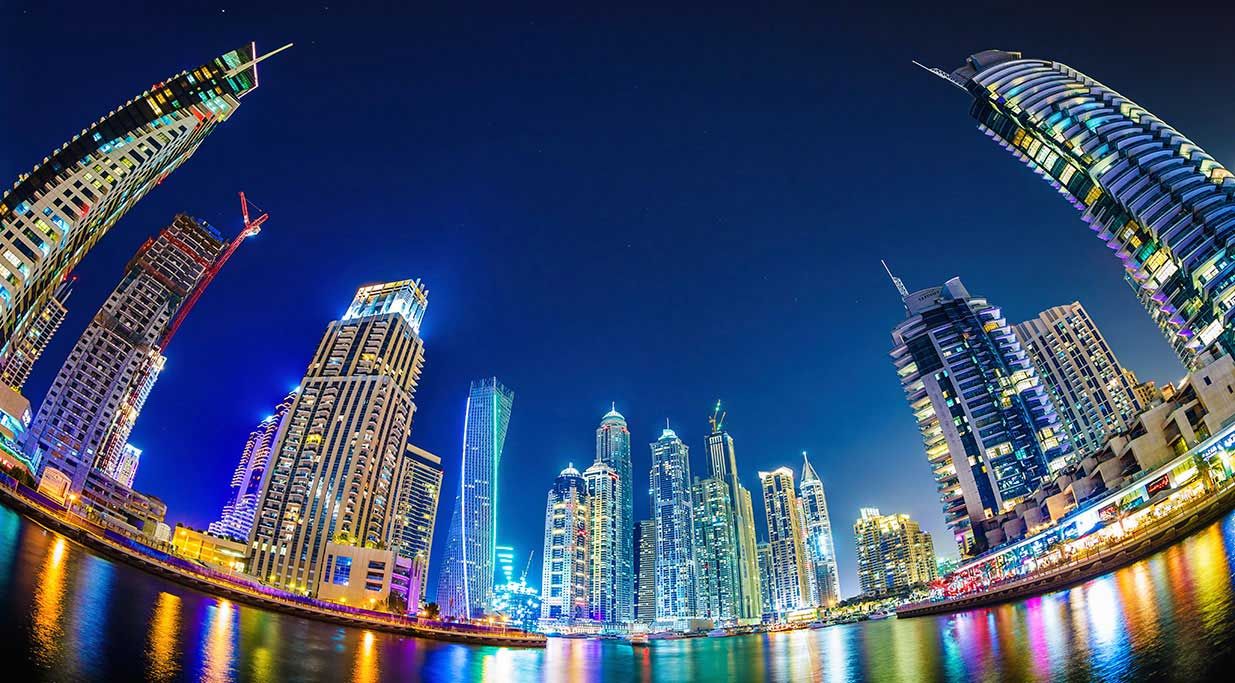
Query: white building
[671, 507]
[791, 587]
[564, 572]
[605, 493]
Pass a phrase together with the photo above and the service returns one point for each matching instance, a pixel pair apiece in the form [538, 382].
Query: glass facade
[790, 588]
[1164, 207]
[717, 591]
[236, 520]
[990, 430]
[564, 573]
[817, 539]
[613, 449]
[465, 584]
[671, 506]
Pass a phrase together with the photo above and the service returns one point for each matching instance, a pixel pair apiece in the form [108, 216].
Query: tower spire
[940, 73]
[808, 472]
[896, 282]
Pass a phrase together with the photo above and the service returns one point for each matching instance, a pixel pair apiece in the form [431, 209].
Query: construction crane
[523, 579]
[251, 228]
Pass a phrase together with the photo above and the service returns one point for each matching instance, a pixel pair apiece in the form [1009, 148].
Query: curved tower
[58, 211]
[1159, 202]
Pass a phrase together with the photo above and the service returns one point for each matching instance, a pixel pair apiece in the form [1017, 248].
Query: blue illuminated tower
[672, 509]
[465, 582]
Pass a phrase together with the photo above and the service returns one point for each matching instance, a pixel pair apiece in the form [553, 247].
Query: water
[69, 615]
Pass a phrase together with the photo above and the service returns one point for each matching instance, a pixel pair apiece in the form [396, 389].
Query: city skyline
[751, 425]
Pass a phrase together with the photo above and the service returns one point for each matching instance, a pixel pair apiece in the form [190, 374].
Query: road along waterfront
[143, 557]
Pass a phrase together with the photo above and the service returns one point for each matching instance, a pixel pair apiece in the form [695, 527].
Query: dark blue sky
[651, 206]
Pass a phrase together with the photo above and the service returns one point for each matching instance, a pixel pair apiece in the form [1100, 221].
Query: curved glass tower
[1163, 206]
[465, 584]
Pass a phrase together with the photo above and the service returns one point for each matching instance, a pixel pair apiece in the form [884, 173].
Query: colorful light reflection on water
[69, 614]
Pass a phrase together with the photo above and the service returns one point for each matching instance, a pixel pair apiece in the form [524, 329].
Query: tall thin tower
[724, 464]
[824, 578]
[57, 212]
[613, 449]
[672, 508]
[465, 583]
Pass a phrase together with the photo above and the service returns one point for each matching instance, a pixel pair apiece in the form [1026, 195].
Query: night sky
[654, 207]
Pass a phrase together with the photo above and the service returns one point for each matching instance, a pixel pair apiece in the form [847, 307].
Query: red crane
[251, 228]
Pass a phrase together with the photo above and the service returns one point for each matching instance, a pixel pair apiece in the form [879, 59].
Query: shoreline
[36, 514]
[1104, 562]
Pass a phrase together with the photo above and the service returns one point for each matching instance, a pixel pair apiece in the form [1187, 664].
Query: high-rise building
[1147, 393]
[95, 399]
[125, 468]
[58, 211]
[236, 519]
[564, 573]
[715, 544]
[1154, 197]
[334, 478]
[767, 576]
[465, 583]
[417, 511]
[791, 587]
[32, 339]
[824, 578]
[724, 466]
[613, 449]
[645, 572]
[671, 506]
[894, 554]
[990, 430]
[604, 492]
[1090, 389]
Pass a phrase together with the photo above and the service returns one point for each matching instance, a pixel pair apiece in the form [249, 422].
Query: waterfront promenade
[231, 588]
[1148, 539]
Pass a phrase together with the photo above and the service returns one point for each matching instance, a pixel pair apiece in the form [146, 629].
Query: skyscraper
[32, 339]
[1089, 387]
[564, 573]
[767, 576]
[125, 468]
[724, 465]
[990, 430]
[417, 511]
[791, 587]
[605, 493]
[58, 211]
[671, 506]
[335, 473]
[613, 449]
[715, 544]
[894, 554]
[1154, 197]
[236, 519]
[465, 584]
[96, 397]
[824, 578]
[645, 572]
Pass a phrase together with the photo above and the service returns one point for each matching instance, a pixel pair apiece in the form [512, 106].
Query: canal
[69, 615]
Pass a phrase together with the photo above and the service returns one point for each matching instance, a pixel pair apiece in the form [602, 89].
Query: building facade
[767, 576]
[96, 397]
[125, 468]
[724, 466]
[465, 583]
[671, 507]
[565, 575]
[613, 449]
[791, 586]
[32, 339]
[334, 477]
[236, 519]
[1091, 391]
[822, 573]
[1160, 203]
[717, 593]
[645, 572]
[990, 430]
[53, 215]
[894, 554]
[605, 493]
[417, 512]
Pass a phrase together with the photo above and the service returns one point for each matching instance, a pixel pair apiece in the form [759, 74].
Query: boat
[819, 624]
[718, 633]
[639, 639]
[881, 615]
